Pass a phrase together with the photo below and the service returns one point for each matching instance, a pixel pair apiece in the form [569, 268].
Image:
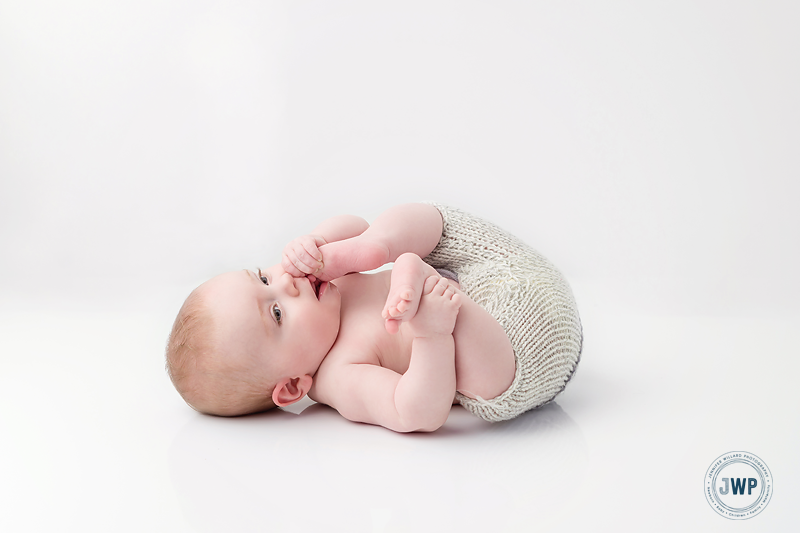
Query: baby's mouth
[316, 285]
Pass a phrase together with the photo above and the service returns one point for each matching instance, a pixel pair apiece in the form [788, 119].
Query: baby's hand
[302, 257]
[438, 309]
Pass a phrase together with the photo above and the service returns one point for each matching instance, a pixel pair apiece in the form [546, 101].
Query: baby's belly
[485, 364]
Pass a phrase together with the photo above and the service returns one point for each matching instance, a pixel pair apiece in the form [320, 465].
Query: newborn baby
[498, 331]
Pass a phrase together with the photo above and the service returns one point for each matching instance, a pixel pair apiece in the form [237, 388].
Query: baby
[497, 332]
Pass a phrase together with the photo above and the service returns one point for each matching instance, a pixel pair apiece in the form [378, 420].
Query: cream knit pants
[530, 299]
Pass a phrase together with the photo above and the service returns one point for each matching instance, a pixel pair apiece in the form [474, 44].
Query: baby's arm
[418, 400]
[407, 228]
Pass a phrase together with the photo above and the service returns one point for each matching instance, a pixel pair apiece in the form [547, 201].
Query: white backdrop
[648, 149]
[651, 149]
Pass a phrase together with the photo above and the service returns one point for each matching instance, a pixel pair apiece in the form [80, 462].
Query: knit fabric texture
[530, 299]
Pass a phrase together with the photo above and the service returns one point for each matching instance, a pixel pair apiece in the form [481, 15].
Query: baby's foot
[438, 309]
[408, 278]
[357, 254]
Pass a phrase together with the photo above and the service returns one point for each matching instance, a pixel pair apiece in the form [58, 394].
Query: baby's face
[276, 321]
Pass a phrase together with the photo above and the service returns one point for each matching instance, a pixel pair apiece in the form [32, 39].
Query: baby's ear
[290, 390]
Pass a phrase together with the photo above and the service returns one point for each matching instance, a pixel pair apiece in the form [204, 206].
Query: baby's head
[246, 341]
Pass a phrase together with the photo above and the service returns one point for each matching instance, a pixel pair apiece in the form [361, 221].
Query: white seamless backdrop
[650, 149]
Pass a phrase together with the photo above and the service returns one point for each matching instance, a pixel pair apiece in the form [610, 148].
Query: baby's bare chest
[484, 358]
[363, 338]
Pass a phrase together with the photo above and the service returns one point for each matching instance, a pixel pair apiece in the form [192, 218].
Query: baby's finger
[311, 249]
[294, 267]
[288, 265]
[302, 261]
[305, 261]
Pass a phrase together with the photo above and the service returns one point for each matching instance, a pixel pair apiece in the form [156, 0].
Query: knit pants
[530, 299]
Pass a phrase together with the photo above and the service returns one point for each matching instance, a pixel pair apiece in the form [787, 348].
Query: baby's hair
[203, 373]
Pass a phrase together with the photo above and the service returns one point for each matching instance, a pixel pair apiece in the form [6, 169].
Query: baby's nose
[287, 283]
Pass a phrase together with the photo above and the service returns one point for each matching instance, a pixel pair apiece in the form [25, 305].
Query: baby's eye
[263, 278]
[277, 313]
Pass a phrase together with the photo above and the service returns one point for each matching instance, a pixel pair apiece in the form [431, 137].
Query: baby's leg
[408, 278]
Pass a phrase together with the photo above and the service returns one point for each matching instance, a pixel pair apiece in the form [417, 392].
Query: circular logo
[738, 485]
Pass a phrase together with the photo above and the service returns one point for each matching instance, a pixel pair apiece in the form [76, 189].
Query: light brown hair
[210, 380]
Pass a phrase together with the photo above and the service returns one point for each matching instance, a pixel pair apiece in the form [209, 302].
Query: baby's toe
[441, 287]
[430, 284]
[392, 326]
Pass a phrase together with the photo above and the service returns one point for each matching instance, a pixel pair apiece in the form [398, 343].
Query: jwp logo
[738, 485]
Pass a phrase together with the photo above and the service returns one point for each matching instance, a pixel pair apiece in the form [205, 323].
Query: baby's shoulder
[349, 350]
[343, 356]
